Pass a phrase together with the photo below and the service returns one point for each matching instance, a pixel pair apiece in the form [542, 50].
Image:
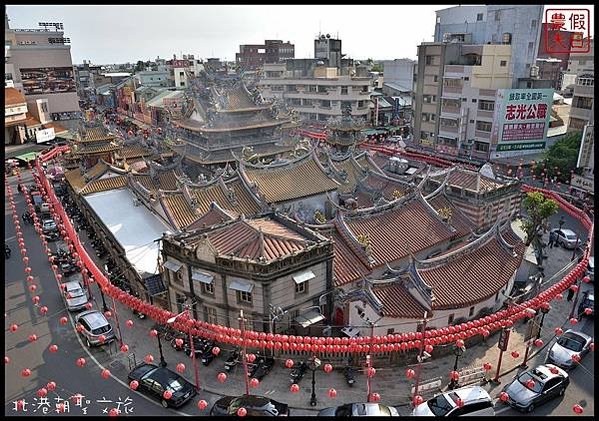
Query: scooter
[349, 374]
[298, 373]
[233, 359]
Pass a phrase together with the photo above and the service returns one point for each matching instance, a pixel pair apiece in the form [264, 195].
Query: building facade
[253, 56]
[38, 61]
[581, 112]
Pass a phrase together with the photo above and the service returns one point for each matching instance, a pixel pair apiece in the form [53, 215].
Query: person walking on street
[7, 251]
[552, 238]
[570, 294]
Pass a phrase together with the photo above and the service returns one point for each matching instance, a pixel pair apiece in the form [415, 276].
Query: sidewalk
[390, 382]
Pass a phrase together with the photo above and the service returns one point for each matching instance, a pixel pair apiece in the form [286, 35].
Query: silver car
[75, 295]
[566, 238]
[95, 325]
[546, 385]
[476, 402]
[591, 268]
[359, 410]
[570, 343]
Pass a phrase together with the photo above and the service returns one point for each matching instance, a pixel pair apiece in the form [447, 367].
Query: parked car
[526, 397]
[48, 226]
[570, 343]
[394, 139]
[68, 268]
[262, 367]
[154, 381]
[75, 295]
[256, 406]
[588, 301]
[94, 325]
[359, 410]
[591, 268]
[476, 402]
[566, 238]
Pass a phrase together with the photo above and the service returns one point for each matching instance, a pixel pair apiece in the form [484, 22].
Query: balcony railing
[452, 89]
[482, 134]
[450, 110]
[484, 113]
[450, 129]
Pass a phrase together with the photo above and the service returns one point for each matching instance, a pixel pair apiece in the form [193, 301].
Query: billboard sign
[46, 135]
[582, 183]
[521, 119]
[48, 80]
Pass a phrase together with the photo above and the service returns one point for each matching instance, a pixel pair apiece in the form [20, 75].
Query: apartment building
[85, 75]
[577, 64]
[456, 86]
[38, 64]
[517, 25]
[581, 112]
[319, 92]
[252, 56]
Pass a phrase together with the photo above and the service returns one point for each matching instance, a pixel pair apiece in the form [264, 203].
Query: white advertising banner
[45, 135]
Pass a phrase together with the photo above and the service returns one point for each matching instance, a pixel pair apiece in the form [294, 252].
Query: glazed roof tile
[347, 266]
[216, 215]
[396, 233]
[488, 268]
[469, 180]
[13, 97]
[95, 134]
[293, 181]
[178, 209]
[104, 184]
[129, 152]
[397, 301]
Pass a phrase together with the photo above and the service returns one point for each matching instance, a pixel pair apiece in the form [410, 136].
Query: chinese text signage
[521, 119]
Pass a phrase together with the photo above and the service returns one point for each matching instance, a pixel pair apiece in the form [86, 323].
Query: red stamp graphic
[567, 31]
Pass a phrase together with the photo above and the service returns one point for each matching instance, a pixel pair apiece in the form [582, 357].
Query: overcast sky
[118, 34]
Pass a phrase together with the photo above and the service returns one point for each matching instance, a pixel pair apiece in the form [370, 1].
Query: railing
[482, 134]
[450, 129]
[450, 109]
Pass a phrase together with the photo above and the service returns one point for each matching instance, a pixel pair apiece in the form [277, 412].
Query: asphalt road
[58, 367]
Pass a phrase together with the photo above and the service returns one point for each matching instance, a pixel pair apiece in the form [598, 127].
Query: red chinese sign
[577, 22]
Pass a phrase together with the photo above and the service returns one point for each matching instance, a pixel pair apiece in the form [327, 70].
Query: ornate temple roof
[277, 183]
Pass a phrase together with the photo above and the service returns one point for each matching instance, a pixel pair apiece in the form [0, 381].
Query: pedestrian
[7, 251]
[552, 239]
[570, 294]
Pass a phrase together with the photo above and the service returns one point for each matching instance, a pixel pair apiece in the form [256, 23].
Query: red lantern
[149, 358]
[410, 373]
[242, 412]
[53, 348]
[459, 343]
[577, 409]
[530, 384]
[254, 382]
[327, 368]
[167, 394]
[294, 388]
[573, 320]
[153, 333]
[538, 343]
[289, 363]
[332, 393]
[180, 367]
[105, 373]
[559, 297]
[129, 323]
[487, 366]
[574, 288]
[588, 311]
[375, 397]
[102, 339]
[202, 404]
[26, 372]
[222, 377]
[216, 350]
[43, 310]
[515, 354]
[42, 393]
[371, 372]
[134, 385]
[576, 358]
[32, 338]
[504, 397]
[251, 358]
[51, 386]
[586, 279]
[454, 375]
[113, 412]
[417, 400]
[125, 348]
[428, 348]
[81, 362]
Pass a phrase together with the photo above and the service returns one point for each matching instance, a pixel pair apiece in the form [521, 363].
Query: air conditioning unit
[534, 71]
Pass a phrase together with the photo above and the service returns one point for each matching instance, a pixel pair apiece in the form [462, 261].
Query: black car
[68, 268]
[588, 301]
[262, 367]
[256, 406]
[154, 381]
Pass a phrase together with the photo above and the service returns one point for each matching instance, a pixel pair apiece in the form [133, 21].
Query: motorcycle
[139, 314]
[207, 355]
[349, 374]
[298, 372]
[233, 359]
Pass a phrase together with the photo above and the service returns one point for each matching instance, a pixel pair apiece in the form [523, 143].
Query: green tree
[139, 66]
[539, 209]
[560, 159]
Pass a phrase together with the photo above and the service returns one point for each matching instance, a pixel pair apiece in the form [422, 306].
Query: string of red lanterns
[376, 344]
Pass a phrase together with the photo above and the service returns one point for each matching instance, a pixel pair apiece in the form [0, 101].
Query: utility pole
[419, 367]
[243, 352]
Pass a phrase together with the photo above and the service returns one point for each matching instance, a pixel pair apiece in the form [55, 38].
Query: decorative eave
[434, 212]
[352, 241]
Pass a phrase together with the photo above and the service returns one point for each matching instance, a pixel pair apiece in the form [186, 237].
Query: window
[182, 83]
[584, 103]
[497, 15]
[474, 100]
[435, 78]
[486, 106]
[301, 288]
[210, 315]
[179, 301]
[207, 288]
[325, 104]
[503, 63]
[311, 88]
[44, 107]
[467, 78]
[450, 319]
[481, 147]
[181, 74]
[533, 24]
[438, 19]
[483, 126]
[344, 90]
[471, 312]
[497, 296]
[479, 17]
[244, 297]
[429, 60]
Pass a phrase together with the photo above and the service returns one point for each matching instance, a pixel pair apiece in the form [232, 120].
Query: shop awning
[303, 277]
[196, 275]
[242, 286]
[29, 156]
[309, 318]
[170, 265]
[155, 285]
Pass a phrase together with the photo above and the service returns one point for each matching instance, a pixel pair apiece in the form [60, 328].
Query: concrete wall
[400, 71]
[490, 74]
[461, 19]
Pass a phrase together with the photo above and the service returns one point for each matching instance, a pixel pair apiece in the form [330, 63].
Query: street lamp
[313, 364]
[458, 351]
[193, 352]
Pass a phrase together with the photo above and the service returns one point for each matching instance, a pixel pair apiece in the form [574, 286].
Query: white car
[476, 402]
[591, 268]
[570, 343]
[566, 238]
[75, 295]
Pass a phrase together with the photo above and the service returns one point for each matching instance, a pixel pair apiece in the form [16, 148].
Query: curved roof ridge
[391, 205]
[457, 253]
[167, 211]
[434, 212]
[510, 248]
[440, 188]
[352, 241]
[328, 224]
[294, 161]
